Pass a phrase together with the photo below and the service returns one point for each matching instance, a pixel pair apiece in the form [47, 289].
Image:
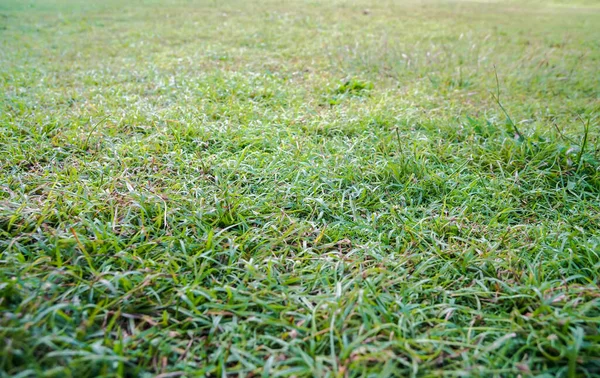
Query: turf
[299, 188]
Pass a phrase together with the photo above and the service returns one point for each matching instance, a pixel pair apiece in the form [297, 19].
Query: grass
[299, 188]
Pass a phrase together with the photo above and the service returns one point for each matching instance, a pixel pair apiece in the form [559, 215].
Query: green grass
[299, 188]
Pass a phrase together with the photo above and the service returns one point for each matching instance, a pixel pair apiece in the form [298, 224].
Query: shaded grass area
[299, 188]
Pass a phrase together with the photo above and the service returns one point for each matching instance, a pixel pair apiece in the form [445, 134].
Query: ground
[299, 188]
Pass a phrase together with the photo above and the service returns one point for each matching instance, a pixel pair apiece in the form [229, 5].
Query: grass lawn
[300, 188]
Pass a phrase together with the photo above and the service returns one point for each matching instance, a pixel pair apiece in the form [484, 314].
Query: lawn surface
[299, 188]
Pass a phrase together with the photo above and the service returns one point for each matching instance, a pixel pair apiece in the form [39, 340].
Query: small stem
[497, 98]
[586, 130]
[398, 137]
